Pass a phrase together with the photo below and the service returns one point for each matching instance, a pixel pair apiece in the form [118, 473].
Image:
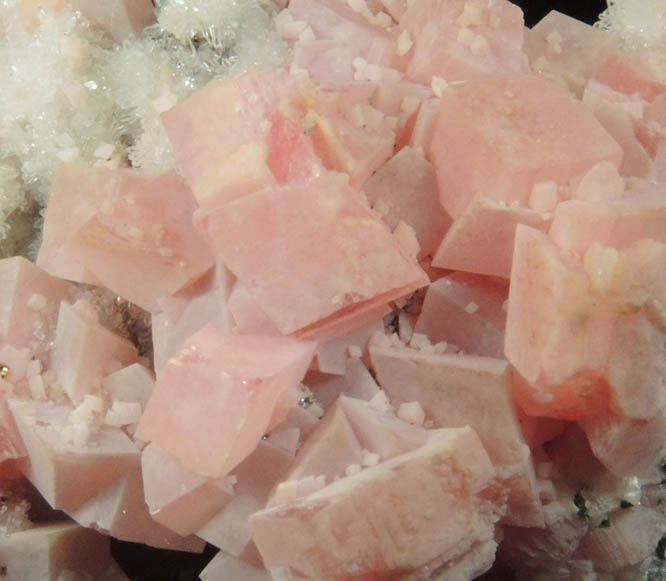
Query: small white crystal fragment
[68, 155]
[104, 151]
[471, 15]
[601, 264]
[76, 435]
[307, 35]
[36, 386]
[438, 84]
[370, 459]
[632, 492]
[465, 37]
[286, 491]
[554, 40]
[352, 469]
[411, 412]
[292, 30]
[404, 43]
[359, 64]
[123, 413]
[441, 347]
[422, 343]
[85, 412]
[479, 46]
[382, 19]
[544, 197]
[36, 302]
[410, 104]
[380, 401]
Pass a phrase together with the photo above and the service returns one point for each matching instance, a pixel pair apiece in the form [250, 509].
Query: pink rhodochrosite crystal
[455, 390]
[344, 29]
[334, 253]
[51, 551]
[481, 239]
[405, 189]
[586, 49]
[29, 297]
[485, 141]
[214, 400]
[466, 311]
[120, 509]
[256, 476]
[206, 301]
[375, 540]
[463, 39]
[84, 351]
[179, 498]
[583, 340]
[134, 234]
[329, 450]
[67, 473]
[227, 156]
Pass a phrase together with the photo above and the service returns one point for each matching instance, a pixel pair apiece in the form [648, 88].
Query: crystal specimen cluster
[363, 289]
[80, 85]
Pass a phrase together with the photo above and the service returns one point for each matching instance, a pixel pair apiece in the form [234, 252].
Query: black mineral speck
[581, 505]
[660, 551]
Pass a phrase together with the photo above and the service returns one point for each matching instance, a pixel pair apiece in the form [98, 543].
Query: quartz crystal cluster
[346, 289]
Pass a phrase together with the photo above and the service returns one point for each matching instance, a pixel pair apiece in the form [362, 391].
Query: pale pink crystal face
[214, 400]
[206, 301]
[467, 312]
[481, 239]
[461, 40]
[458, 390]
[178, 498]
[28, 297]
[520, 130]
[256, 476]
[330, 537]
[348, 34]
[67, 474]
[341, 258]
[556, 336]
[50, 550]
[120, 510]
[135, 235]
[224, 157]
[405, 189]
[329, 450]
[84, 351]
[586, 49]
